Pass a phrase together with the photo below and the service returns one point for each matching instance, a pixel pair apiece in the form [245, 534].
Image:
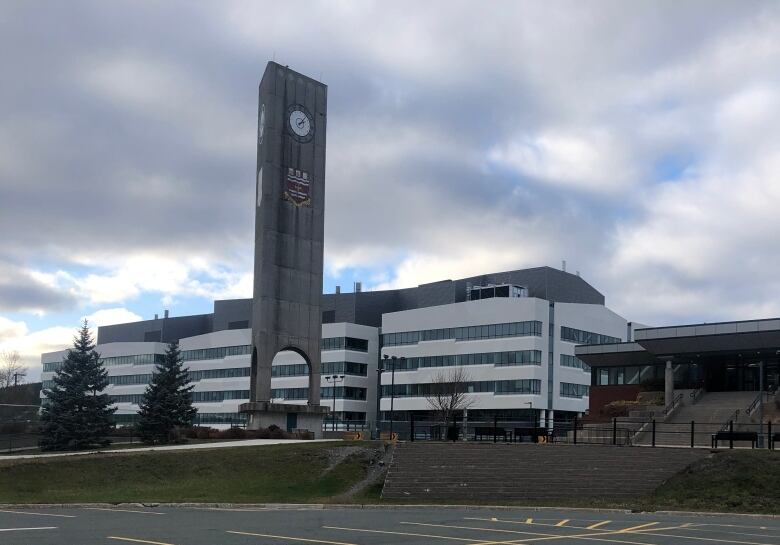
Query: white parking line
[38, 514]
[123, 510]
[22, 529]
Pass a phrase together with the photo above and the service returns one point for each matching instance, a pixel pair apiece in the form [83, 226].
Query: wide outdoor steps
[488, 471]
[711, 412]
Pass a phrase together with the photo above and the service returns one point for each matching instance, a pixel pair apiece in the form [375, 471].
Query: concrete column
[668, 383]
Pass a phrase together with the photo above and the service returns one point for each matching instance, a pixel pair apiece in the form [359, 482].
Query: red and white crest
[297, 188]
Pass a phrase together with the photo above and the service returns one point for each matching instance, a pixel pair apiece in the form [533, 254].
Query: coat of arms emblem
[297, 187]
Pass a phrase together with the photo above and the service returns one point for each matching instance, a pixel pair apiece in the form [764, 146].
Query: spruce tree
[77, 415]
[167, 401]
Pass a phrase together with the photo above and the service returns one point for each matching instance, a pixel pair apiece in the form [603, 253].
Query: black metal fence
[618, 432]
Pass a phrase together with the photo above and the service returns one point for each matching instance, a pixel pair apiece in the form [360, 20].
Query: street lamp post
[392, 395]
[336, 379]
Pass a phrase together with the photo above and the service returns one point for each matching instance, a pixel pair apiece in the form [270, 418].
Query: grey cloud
[84, 168]
[19, 291]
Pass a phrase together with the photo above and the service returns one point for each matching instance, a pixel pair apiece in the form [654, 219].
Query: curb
[395, 507]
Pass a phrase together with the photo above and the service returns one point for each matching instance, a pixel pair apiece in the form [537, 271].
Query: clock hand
[300, 122]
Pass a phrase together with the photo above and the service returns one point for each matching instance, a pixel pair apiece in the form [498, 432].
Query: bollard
[495, 425]
[653, 431]
[769, 435]
[693, 432]
[614, 431]
[411, 426]
[731, 434]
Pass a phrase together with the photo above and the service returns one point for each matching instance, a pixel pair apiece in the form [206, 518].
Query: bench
[490, 433]
[735, 436]
[534, 433]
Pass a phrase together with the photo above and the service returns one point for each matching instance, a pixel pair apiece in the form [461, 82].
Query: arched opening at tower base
[293, 403]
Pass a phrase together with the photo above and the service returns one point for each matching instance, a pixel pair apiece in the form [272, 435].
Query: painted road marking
[563, 522]
[138, 540]
[22, 529]
[38, 514]
[527, 521]
[539, 536]
[122, 510]
[405, 534]
[290, 538]
[650, 532]
[635, 528]
[598, 524]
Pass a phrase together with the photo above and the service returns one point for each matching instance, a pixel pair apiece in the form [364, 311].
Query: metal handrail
[732, 418]
[673, 405]
[754, 404]
[696, 394]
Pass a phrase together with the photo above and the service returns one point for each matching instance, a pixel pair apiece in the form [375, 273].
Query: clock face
[261, 125]
[301, 124]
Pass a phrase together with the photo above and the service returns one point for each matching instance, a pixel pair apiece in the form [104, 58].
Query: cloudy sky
[640, 141]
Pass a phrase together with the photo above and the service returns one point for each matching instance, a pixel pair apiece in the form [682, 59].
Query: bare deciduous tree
[449, 394]
[11, 369]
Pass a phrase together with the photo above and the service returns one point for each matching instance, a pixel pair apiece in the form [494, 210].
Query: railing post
[731, 434]
[614, 431]
[653, 431]
[769, 434]
[495, 426]
[411, 426]
[575, 429]
[693, 431]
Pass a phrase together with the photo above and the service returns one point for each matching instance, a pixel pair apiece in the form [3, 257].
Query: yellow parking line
[38, 514]
[138, 540]
[402, 534]
[635, 528]
[538, 535]
[527, 521]
[563, 522]
[290, 538]
[598, 524]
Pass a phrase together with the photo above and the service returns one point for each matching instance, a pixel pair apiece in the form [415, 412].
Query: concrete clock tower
[289, 232]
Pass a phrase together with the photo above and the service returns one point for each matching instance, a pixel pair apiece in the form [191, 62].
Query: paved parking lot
[406, 526]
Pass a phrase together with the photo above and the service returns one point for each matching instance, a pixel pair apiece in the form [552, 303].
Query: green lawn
[746, 481]
[274, 473]
[736, 481]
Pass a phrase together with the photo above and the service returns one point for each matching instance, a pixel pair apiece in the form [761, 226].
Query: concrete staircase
[506, 472]
[710, 412]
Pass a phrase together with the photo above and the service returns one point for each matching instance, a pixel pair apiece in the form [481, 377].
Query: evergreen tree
[77, 415]
[167, 401]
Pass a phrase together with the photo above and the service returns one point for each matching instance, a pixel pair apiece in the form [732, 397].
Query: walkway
[221, 444]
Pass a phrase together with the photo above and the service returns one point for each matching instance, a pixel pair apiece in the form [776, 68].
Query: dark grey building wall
[366, 308]
[170, 329]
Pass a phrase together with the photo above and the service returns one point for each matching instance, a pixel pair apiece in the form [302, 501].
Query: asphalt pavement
[127, 525]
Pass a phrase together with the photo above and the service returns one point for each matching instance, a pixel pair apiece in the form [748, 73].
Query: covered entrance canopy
[721, 356]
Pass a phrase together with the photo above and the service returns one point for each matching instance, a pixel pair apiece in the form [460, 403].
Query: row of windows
[121, 380]
[221, 395]
[517, 357]
[326, 368]
[197, 397]
[231, 372]
[345, 343]
[199, 420]
[574, 390]
[216, 353]
[574, 361]
[344, 368]
[514, 329]
[685, 375]
[135, 359]
[579, 336]
[499, 387]
[146, 359]
[290, 393]
[343, 392]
